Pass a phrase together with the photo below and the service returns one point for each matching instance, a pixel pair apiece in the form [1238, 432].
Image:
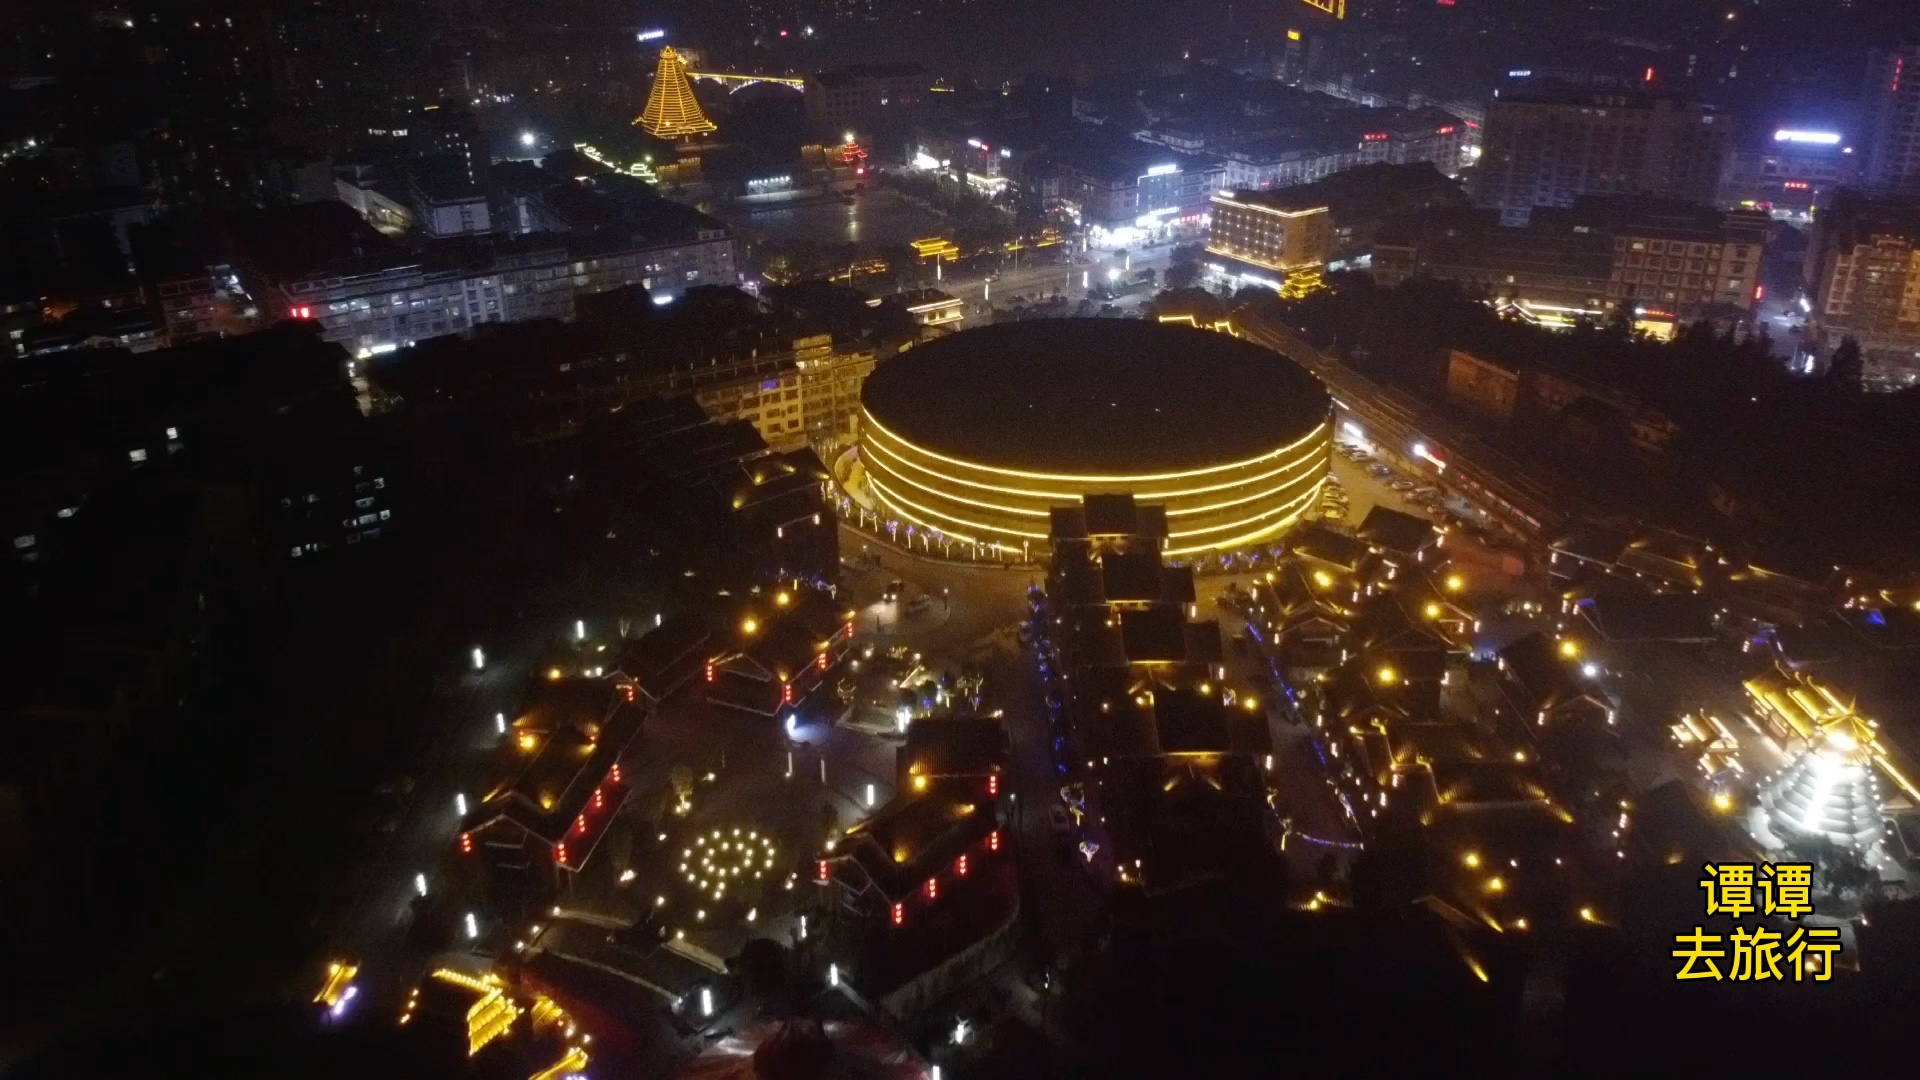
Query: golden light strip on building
[1095, 478]
[1220, 326]
[1287, 512]
[898, 502]
[1070, 496]
[1311, 458]
[946, 495]
[1281, 509]
[1228, 200]
[1335, 8]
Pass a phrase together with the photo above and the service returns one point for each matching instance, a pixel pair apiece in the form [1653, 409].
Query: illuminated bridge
[977, 436]
[737, 81]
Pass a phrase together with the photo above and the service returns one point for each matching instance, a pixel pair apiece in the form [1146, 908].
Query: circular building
[978, 435]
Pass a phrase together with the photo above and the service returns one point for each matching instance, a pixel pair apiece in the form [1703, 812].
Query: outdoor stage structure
[976, 437]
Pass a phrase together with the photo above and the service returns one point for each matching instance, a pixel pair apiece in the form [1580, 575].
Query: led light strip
[1281, 509]
[1090, 478]
[1310, 456]
[899, 502]
[1287, 513]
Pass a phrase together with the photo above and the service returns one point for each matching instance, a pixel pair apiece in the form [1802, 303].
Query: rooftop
[909, 839]
[1397, 532]
[1103, 397]
[564, 742]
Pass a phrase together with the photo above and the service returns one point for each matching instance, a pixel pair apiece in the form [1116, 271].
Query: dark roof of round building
[1105, 396]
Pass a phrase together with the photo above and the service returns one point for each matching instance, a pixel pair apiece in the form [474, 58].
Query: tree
[1845, 367]
[1182, 275]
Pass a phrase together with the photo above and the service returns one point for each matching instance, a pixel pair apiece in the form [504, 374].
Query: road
[1410, 435]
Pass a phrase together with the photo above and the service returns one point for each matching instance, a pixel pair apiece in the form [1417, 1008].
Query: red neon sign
[825, 872]
[899, 914]
[993, 840]
[560, 853]
[960, 866]
[466, 843]
[933, 888]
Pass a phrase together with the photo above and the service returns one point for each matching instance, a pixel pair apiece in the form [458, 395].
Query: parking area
[1361, 482]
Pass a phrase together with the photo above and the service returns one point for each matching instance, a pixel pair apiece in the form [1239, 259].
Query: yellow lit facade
[492, 1012]
[1293, 243]
[1217, 507]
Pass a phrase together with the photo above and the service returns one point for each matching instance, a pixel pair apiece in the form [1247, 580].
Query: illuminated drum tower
[672, 112]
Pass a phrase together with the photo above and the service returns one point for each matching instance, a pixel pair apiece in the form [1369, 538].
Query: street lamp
[420, 884]
[526, 138]
[473, 927]
[479, 658]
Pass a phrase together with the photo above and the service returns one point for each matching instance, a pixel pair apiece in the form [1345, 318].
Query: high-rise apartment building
[1891, 119]
[1548, 148]
[1863, 268]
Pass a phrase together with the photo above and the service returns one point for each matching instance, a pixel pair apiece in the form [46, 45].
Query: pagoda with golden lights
[672, 112]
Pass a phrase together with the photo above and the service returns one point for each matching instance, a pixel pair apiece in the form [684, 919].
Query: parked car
[920, 603]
